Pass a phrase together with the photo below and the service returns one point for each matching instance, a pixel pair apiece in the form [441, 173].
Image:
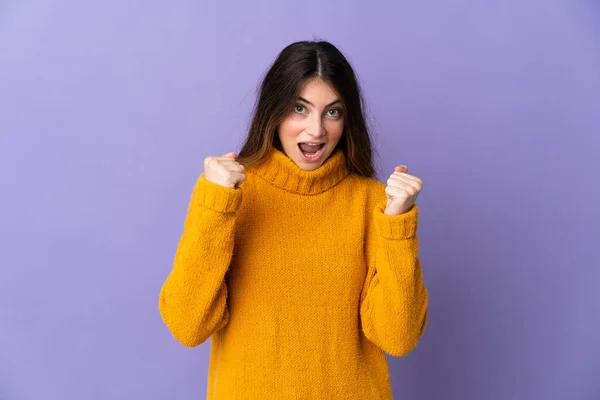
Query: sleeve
[192, 300]
[393, 301]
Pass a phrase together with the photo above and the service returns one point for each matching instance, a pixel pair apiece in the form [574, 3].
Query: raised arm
[393, 303]
[193, 298]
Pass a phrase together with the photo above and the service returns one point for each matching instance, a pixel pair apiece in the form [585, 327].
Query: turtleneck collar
[278, 169]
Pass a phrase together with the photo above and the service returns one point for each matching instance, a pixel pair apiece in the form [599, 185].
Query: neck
[281, 171]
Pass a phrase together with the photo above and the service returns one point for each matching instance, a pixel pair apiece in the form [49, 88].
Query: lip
[309, 159]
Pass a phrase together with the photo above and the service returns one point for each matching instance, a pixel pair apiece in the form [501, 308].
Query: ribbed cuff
[403, 226]
[216, 197]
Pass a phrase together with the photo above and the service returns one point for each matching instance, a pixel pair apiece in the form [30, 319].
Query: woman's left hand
[401, 191]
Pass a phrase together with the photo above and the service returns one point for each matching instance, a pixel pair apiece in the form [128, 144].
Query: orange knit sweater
[301, 281]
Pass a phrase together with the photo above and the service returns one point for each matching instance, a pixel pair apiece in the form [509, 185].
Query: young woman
[300, 266]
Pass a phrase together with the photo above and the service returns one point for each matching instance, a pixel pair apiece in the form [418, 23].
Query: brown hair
[280, 88]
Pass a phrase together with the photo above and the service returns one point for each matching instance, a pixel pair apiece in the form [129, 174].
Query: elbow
[186, 339]
[182, 332]
[406, 340]
[397, 343]
[406, 346]
[401, 348]
[191, 332]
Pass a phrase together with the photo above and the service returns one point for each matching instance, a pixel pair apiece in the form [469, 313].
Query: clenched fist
[224, 170]
[401, 191]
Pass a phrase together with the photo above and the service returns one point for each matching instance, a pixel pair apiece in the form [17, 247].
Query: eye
[334, 112]
[299, 108]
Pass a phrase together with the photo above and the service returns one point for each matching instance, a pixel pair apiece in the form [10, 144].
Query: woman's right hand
[224, 170]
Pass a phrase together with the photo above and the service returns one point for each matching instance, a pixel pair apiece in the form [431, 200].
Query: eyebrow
[306, 101]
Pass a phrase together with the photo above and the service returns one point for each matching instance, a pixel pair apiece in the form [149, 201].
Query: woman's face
[316, 118]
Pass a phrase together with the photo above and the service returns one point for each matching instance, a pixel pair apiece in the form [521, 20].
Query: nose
[316, 127]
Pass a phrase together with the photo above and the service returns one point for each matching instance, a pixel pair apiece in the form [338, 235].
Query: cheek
[335, 128]
[290, 127]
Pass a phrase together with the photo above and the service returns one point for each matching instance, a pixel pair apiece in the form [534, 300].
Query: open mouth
[311, 152]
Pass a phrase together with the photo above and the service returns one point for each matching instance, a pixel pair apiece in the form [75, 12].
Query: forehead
[318, 91]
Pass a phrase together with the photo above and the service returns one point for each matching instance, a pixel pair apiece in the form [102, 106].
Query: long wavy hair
[279, 90]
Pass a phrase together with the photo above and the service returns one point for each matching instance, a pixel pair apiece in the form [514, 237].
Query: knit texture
[301, 282]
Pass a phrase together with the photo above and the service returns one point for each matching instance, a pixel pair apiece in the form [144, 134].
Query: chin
[310, 167]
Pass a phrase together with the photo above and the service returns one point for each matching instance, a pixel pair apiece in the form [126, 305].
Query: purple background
[107, 110]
